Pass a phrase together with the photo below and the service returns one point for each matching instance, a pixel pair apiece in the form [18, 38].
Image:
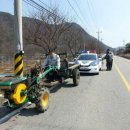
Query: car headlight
[76, 62]
[94, 63]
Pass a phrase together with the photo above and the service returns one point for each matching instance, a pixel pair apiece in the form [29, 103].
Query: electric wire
[81, 12]
[45, 5]
[87, 21]
[77, 14]
[39, 7]
[92, 11]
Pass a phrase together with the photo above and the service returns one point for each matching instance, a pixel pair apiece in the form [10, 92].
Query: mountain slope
[7, 36]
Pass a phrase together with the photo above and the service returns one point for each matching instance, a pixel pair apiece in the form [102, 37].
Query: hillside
[7, 36]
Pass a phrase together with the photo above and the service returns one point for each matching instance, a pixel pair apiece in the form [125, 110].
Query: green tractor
[30, 88]
[34, 87]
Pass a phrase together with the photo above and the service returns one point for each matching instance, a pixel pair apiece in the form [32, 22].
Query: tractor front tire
[42, 102]
[76, 77]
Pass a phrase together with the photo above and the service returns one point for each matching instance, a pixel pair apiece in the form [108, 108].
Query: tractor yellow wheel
[17, 97]
[43, 100]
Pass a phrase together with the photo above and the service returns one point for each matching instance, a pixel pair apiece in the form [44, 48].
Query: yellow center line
[122, 77]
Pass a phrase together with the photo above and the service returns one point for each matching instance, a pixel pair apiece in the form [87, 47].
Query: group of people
[53, 59]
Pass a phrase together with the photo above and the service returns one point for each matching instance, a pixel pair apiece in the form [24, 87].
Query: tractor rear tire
[42, 102]
[76, 77]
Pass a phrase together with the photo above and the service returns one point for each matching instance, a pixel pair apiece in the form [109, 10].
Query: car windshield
[87, 57]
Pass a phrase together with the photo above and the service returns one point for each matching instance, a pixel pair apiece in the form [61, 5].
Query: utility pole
[18, 25]
[84, 46]
[18, 69]
[97, 45]
[101, 40]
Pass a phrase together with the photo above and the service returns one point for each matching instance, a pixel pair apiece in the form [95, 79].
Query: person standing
[109, 59]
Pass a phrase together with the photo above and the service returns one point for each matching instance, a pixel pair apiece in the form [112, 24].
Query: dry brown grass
[9, 68]
[127, 56]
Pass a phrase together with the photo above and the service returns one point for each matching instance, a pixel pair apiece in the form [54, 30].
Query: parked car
[100, 62]
[90, 63]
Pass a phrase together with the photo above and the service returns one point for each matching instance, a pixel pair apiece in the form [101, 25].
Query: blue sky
[111, 17]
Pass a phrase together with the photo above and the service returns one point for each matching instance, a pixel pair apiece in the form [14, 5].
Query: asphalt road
[101, 102]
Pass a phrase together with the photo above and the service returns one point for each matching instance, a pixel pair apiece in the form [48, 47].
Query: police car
[89, 62]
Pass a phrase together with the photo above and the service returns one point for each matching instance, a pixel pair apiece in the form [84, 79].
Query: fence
[7, 62]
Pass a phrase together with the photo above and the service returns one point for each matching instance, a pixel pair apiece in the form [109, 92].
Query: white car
[100, 62]
[89, 62]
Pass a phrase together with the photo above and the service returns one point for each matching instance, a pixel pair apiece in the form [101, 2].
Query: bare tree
[127, 48]
[73, 41]
[45, 30]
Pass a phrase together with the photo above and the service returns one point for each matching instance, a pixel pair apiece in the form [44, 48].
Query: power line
[46, 5]
[89, 8]
[39, 7]
[92, 11]
[27, 2]
[45, 9]
[76, 13]
[80, 11]
[54, 10]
